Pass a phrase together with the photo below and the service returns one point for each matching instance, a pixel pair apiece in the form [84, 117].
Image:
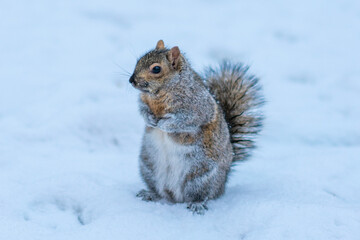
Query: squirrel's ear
[174, 57]
[160, 45]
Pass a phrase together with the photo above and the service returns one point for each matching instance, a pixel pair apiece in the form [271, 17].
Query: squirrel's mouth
[144, 90]
[142, 86]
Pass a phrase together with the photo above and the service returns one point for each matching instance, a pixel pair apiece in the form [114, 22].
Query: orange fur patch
[158, 105]
[211, 132]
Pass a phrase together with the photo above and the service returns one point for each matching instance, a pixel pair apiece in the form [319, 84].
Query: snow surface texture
[70, 130]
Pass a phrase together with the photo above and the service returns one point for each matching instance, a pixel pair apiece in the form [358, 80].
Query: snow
[70, 130]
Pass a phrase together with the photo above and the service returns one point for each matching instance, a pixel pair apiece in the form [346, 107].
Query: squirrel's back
[239, 96]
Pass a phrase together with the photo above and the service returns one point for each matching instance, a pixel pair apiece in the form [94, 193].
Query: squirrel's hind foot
[197, 208]
[148, 196]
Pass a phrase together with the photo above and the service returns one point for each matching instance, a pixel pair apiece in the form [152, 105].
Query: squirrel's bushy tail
[239, 96]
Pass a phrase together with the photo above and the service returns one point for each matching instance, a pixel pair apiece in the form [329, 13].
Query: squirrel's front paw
[148, 196]
[151, 120]
[167, 123]
[198, 208]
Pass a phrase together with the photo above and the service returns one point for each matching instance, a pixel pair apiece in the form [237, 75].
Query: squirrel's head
[156, 68]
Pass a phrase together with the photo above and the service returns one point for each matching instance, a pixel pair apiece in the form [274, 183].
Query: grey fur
[239, 95]
[186, 152]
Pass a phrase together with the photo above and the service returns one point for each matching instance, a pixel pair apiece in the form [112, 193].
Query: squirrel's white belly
[170, 165]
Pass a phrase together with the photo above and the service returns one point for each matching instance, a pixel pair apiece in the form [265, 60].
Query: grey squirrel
[196, 128]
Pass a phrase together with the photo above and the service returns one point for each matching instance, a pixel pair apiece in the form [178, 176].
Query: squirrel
[196, 128]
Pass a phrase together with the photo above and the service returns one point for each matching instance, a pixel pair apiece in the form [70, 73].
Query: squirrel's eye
[156, 69]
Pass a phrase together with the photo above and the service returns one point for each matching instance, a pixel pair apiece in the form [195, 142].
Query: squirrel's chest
[158, 106]
[170, 165]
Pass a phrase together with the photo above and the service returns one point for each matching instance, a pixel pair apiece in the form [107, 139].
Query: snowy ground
[70, 130]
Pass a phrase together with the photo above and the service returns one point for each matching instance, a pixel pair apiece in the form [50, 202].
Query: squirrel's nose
[132, 80]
